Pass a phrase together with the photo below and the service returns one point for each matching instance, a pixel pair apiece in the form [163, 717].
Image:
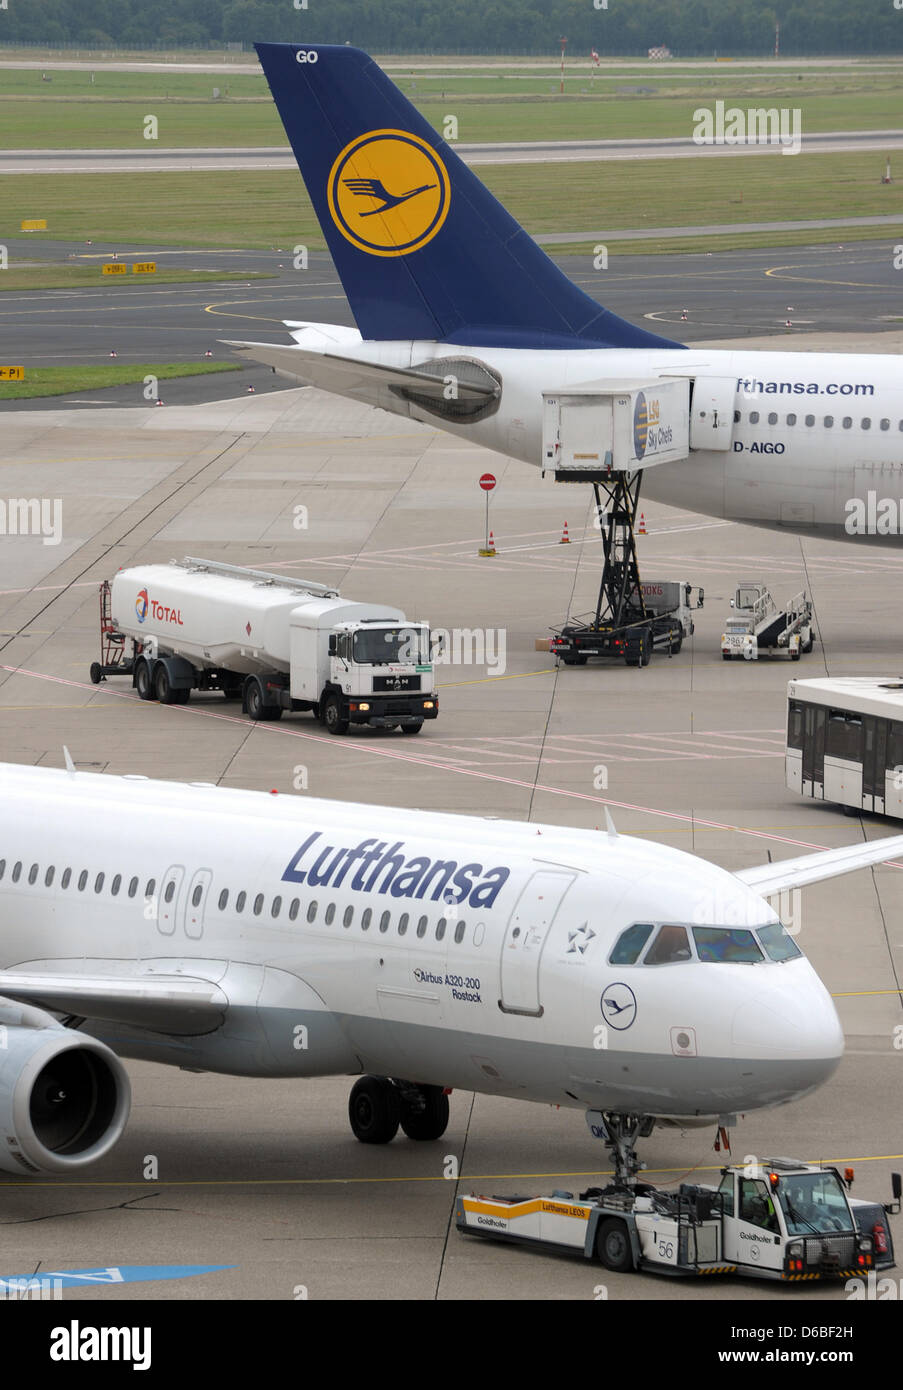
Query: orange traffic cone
[565, 538]
[641, 529]
[489, 548]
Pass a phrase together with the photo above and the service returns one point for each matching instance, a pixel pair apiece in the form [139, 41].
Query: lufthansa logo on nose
[388, 193]
[619, 1006]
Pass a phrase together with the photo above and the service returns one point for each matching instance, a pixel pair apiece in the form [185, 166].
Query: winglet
[612, 829]
[70, 765]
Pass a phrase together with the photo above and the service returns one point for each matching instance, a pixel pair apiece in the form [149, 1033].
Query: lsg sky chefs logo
[388, 193]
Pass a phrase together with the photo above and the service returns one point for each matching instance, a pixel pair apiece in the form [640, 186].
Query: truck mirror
[333, 644]
[896, 1186]
[701, 598]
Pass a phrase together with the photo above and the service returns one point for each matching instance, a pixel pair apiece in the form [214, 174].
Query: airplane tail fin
[423, 249]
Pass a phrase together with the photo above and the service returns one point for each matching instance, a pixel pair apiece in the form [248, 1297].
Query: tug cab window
[669, 947]
[756, 1205]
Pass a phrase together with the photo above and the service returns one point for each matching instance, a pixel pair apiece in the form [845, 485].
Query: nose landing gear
[620, 1133]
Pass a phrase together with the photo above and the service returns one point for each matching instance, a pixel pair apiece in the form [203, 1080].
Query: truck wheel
[255, 702]
[574, 660]
[96, 673]
[646, 649]
[412, 728]
[143, 683]
[374, 1109]
[181, 697]
[163, 689]
[432, 1121]
[613, 1247]
[725, 656]
[332, 717]
[807, 646]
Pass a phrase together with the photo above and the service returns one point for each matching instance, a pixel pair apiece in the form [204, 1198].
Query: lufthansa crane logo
[388, 193]
[618, 1005]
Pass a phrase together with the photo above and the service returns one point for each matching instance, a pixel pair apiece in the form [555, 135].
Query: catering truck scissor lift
[778, 1219]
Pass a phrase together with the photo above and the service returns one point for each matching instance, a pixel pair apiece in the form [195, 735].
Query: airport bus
[845, 742]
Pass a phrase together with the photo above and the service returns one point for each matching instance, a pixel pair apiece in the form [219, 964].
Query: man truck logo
[388, 193]
[640, 425]
[141, 605]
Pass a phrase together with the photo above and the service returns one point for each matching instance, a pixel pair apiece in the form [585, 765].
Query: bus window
[795, 724]
[843, 738]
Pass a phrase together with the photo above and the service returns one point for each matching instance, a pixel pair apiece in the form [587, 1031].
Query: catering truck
[276, 642]
[774, 1219]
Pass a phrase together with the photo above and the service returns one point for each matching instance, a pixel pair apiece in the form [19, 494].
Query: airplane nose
[794, 1023]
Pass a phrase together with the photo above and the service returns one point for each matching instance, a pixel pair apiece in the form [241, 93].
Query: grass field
[269, 210]
[70, 112]
[60, 381]
[33, 275]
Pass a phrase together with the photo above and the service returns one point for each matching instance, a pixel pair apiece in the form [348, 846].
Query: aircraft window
[294, 909]
[810, 420]
[17, 871]
[197, 895]
[258, 904]
[829, 422]
[312, 910]
[459, 932]
[277, 907]
[754, 417]
[33, 873]
[240, 901]
[847, 422]
[403, 923]
[773, 418]
[151, 885]
[133, 887]
[2, 867]
[330, 914]
[736, 417]
[791, 419]
[48, 877]
[366, 915]
[885, 424]
[900, 426]
[866, 423]
[64, 881]
[421, 927]
[440, 929]
[82, 880]
[169, 891]
[630, 943]
[384, 921]
[98, 883]
[116, 884]
[669, 947]
[348, 917]
[725, 944]
[778, 944]
[223, 900]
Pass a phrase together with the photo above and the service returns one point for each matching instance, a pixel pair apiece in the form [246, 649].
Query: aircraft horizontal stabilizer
[812, 868]
[162, 1003]
[348, 376]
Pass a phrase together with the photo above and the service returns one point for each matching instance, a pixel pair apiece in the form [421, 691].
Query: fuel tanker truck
[274, 642]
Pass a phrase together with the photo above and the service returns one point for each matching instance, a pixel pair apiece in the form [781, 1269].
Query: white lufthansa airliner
[277, 936]
[446, 287]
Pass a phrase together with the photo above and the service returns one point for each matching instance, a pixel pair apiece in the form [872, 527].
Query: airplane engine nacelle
[64, 1100]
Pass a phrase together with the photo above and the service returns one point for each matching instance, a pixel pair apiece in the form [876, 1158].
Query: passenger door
[525, 937]
[814, 751]
[874, 762]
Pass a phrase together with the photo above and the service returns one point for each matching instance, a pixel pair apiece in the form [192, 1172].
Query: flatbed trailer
[780, 1219]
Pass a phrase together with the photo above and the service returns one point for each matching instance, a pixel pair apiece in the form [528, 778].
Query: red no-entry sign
[487, 482]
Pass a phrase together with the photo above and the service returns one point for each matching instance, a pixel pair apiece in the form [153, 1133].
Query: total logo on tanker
[158, 611]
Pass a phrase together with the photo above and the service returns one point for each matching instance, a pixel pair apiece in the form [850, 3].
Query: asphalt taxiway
[265, 1180]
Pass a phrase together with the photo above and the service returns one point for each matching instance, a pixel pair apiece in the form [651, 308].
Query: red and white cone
[641, 529]
[208, 353]
[683, 315]
[112, 354]
[250, 390]
[565, 538]
[158, 401]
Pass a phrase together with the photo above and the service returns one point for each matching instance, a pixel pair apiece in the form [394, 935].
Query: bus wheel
[613, 1247]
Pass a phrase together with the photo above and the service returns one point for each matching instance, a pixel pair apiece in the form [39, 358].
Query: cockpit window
[725, 944]
[630, 943]
[778, 944]
[671, 945]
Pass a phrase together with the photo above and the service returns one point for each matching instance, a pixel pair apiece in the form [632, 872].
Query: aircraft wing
[334, 372]
[812, 868]
[167, 1003]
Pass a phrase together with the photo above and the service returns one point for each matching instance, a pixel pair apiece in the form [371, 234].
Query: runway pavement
[265, 1178]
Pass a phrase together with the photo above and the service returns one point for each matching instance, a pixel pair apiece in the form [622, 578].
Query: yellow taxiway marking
[818, 280]
[433, 1177]
[488, 680]
[861, 993]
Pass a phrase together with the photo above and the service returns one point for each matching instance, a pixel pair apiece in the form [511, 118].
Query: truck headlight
[361, 705]
[795, 1250]
[427, 704]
